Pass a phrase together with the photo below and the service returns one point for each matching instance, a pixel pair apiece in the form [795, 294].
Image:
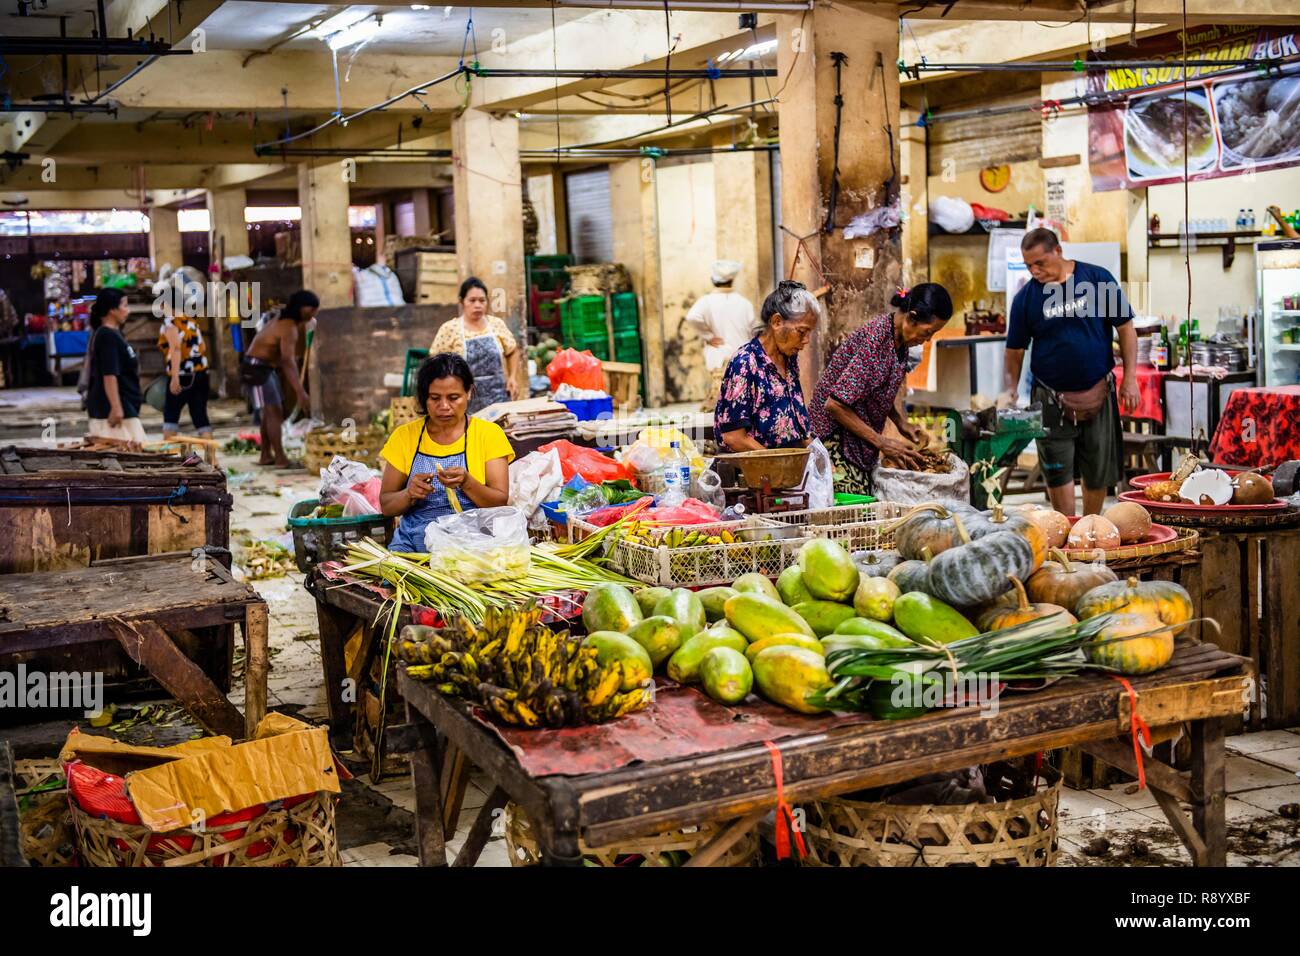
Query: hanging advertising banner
[1237, 119]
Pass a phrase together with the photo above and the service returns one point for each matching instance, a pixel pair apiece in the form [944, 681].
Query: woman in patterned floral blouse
[761, 404]
[858, 391]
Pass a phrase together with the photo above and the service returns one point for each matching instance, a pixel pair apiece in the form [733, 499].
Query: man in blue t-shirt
[1070, 311]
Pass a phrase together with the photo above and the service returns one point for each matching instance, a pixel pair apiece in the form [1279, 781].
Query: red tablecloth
[1149, 403]
[1259, 427]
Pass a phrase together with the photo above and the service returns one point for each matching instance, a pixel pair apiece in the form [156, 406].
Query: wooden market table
[1246, 580]
[1201, 686]
[146, 604]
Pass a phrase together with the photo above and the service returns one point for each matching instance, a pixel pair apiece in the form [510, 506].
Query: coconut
[1252, 489]
[1052, 523]
[1094, 531]
[1162, 491]
[1208, 486]
[1132, 520]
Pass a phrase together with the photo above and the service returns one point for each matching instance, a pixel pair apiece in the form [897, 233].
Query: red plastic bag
[591, 464]
[579, 369]
[691, 511]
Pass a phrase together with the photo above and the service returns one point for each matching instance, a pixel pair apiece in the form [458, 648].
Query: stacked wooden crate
[436, 278]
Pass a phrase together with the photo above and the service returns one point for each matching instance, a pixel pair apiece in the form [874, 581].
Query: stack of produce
[874, 631]
[654, 533]
[1191, 484]
[523, 672]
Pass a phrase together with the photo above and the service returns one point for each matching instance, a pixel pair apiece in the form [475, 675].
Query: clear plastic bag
[481, 545]
[819, 476]
[643, 459]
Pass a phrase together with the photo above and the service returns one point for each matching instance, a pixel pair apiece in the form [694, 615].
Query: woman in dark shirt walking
[113, 400]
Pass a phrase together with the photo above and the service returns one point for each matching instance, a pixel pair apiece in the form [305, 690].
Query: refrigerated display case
[1277, 332]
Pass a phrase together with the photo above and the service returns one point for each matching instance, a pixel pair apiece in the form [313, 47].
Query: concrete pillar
[423, 215]
[228, 233]
[862, 273]
[914, 179]
[560, 203]
[634, 206]
[326, 237]
[164, 238]
[489, 210]
[742, 203]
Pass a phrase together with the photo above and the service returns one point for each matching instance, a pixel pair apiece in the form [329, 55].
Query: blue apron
[488, 363]
[409, 535]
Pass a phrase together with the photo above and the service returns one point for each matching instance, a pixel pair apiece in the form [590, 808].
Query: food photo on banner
[1235, 118]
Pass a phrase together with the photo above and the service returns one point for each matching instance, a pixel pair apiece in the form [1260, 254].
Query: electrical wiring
[793, 62]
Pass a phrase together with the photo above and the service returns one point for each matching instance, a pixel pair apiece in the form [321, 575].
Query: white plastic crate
[705, 566]
[842, 515]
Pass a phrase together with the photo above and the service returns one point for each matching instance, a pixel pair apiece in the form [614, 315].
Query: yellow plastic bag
[660, 438]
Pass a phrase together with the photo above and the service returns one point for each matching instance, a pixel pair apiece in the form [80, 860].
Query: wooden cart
[151, 606]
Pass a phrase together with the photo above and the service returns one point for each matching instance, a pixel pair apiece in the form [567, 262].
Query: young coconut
[1053, 524]
[1094, 531]
[1250, 488]
[1132, 520]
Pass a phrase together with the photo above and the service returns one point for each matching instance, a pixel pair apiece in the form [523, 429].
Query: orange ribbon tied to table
[785, 825]
[1138, 728]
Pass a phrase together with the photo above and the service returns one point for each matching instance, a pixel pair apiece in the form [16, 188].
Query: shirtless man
[272, 352]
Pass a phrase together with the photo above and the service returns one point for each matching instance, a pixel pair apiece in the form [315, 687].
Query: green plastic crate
[413, 359]
[627, 347]
[844, 498]
[626, 318]
[582, 319]
[549, 262]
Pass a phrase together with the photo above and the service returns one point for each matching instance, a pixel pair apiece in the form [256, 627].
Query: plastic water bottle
[677, 476]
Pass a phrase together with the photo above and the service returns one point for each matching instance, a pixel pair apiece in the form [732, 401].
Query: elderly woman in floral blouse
[858, 391]
[761, 404]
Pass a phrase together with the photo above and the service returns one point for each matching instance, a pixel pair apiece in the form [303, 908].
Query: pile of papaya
[758, 636]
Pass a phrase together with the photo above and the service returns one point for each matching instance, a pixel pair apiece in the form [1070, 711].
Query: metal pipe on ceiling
[88, 46]
[59, 106]
[1081, 66]
[649, 151]
[716, 6]
[628, 74]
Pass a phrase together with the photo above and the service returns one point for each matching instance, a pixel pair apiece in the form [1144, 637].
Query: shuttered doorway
[591, 220]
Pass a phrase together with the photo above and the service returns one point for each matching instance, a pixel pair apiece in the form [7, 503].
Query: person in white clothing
[725, 320]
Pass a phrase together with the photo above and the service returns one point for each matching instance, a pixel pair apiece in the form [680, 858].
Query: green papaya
[714, 601]
[647, 598]
[927, 619]
[757, 616]
[875, 598]
[786, 675]
[726, 675]
[660, 636]
[793, 640]
[828, 571]
[824, 616]
[612, 646]
[610, 607]
[684, 665]
[790, 586]
[866, 626]
[684, 607]
[858, 642]
[723, 628]
[755, 583]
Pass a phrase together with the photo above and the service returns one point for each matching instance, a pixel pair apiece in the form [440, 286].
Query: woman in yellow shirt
[486, 344]
[446, 453]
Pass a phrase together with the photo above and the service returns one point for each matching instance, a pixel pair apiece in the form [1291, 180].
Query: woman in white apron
[447, 453]
[486, 344]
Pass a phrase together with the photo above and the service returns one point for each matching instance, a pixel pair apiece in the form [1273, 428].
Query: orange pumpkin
[1132, 644]
[1003, 614]
[1064, 582]
[1164, 600]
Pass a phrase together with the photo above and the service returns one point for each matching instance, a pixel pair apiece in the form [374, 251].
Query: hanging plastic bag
[819, 476]
[591, 464]
[643, 459]
[481, 545]
[579, 369]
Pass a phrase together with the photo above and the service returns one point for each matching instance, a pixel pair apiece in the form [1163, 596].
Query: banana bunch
[682, 538]
[521, 670]
[640, 532]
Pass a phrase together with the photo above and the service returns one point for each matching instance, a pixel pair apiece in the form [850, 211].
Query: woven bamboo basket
[402, 411]
[842, 832]
[301, 835]
[356, 444]
[671, 848]
[1135, 554]
[45, 831]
